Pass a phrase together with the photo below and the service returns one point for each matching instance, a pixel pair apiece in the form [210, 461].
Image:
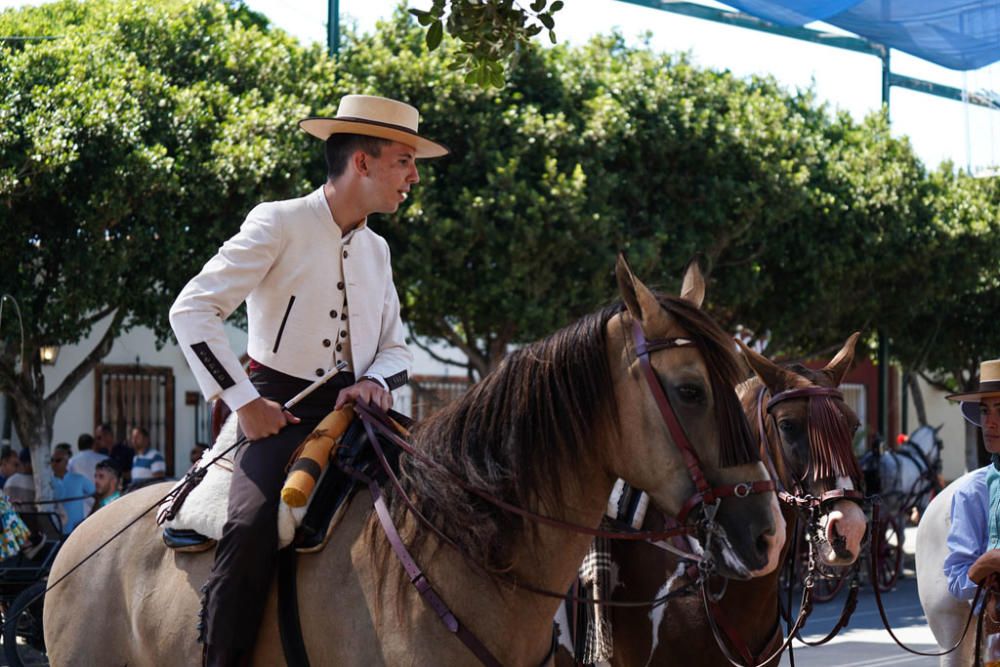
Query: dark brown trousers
[237, 588]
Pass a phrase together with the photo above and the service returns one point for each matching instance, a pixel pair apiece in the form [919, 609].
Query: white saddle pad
[206, 506]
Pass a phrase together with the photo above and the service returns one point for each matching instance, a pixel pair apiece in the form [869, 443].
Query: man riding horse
[318, 286]
[974, 538]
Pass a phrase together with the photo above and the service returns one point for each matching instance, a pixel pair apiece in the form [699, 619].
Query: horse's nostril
[763, 543]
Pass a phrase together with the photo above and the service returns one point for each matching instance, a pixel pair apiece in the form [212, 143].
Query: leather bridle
[707, 496]
[798, 498]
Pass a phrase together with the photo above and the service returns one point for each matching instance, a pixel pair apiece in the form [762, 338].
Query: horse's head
[692, 361]
[809, 435]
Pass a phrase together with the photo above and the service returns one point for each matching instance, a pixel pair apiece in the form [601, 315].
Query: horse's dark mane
[515, 434]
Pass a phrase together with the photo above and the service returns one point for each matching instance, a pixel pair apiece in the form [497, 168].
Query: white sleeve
[393, 358]
[198, 314]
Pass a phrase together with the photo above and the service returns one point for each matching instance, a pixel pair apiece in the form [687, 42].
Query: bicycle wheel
[890, 554]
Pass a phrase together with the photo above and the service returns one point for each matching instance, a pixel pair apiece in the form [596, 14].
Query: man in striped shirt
[148, 463]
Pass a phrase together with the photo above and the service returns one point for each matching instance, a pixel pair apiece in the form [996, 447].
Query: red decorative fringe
[830, 441]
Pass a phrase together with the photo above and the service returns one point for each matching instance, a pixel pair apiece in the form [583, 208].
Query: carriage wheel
[825, 589]
[23, 640]
[890, 554]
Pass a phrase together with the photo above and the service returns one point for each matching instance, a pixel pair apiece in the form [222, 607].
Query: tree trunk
[34, 430]
[918, 398]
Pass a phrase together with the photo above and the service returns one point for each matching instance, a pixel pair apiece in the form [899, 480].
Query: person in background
[196, 451]
[120, 452]
[9, 464]
[85, 462]
[148, 463]
[107, 483]
[71, 488]
[20, 487]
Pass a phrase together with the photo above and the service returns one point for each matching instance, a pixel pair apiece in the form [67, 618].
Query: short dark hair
[85, 442]
[7, 453]
[66, 447]
[141, 429]
[110, 466]
[340, 147]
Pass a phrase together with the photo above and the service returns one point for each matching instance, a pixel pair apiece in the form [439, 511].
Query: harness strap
[423, 586]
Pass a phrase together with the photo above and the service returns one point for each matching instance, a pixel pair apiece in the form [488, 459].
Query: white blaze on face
[847, 520]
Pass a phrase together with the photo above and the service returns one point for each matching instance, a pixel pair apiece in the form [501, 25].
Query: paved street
[865, 643]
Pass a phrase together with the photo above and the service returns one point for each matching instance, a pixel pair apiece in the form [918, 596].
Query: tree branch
[937, 384]
[101, 350]
[475, 357]
[434, 355]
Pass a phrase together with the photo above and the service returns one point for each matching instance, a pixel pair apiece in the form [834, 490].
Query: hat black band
[992, 385]
[366, 121]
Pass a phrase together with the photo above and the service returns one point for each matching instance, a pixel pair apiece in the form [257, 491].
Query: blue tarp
[957, 34]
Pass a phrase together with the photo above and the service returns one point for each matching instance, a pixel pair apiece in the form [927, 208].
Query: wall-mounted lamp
[49, 354]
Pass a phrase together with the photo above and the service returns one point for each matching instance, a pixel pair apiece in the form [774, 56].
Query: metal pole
[883, 339]
[333, 28]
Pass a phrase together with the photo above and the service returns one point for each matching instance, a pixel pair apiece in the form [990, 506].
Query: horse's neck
[542, 556]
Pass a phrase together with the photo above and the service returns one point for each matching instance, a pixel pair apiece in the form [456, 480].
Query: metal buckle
[743, 489]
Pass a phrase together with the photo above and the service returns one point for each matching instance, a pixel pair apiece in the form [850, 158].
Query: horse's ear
[693, 287]
[774, 377]
[639, 300]
[840, 364]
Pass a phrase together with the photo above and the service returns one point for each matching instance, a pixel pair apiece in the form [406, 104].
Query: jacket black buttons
[343, 334]
[320, 372]
[339, 347]
[326, 342]
[343, 316]
[340, 285]
[345, 254]
[333, 313]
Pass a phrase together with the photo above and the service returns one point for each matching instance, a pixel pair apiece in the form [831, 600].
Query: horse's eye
[691, 393]
[787, 425]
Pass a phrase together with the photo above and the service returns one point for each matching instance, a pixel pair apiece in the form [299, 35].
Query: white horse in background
[946, 615]
[909, 473]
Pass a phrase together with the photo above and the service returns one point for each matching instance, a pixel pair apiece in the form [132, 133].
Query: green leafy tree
[133, 142]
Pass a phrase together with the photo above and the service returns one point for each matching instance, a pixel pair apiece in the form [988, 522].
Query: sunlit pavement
[865, 642]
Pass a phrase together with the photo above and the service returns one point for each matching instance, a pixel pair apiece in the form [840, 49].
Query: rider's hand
[985, 565]
[262, 417]
[366, 391]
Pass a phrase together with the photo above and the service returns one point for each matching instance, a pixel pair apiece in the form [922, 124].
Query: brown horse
[815, 457]
[549, 430]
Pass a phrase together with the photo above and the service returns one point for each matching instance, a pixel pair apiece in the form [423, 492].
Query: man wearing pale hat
[974, 536]
[318, 286]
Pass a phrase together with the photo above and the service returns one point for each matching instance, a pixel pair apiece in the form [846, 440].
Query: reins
[885, 619]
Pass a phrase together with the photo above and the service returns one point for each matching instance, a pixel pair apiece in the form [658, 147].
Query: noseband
[799, 498]
[705, 494]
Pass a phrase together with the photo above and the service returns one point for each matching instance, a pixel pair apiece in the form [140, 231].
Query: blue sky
[939, 129]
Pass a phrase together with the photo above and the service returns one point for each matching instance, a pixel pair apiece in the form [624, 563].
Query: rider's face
[989, 418]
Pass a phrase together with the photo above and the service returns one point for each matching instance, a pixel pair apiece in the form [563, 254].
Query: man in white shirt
[318, 286]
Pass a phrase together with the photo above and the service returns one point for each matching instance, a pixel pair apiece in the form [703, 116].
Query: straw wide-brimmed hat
[375, 117]
[989, 385]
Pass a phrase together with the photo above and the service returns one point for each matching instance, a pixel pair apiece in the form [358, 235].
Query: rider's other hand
[262, 417]
[985, 565]
[366, 391]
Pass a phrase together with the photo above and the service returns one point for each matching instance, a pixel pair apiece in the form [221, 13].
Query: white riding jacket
[314, 297]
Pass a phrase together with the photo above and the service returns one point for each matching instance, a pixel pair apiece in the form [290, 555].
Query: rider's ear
[639, 300]
[771, 374]
[840, 364]
[693, 287]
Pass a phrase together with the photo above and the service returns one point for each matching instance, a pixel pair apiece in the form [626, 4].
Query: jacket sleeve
[203, 305]
[393, 358]
[966, 541]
